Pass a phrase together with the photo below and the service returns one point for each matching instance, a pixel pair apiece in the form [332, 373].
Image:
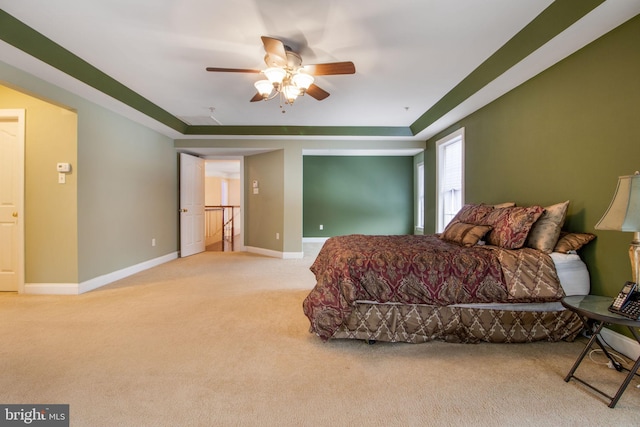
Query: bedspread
[412, 269]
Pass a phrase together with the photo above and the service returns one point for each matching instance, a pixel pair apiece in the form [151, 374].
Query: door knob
[15, 214]
[184, 210]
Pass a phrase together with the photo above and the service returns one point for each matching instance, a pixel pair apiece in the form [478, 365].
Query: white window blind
[452, 179]
[450, 161]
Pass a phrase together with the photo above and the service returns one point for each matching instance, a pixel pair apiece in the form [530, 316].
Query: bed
[496, 274]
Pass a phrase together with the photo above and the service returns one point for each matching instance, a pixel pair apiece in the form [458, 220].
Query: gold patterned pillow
[545, 232]
[472, 214]
[504, 205]
[572, 241]
[464, 234]
[511, 225]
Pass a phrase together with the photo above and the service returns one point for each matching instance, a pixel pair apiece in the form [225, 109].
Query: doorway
[223, 204]
[12, 143]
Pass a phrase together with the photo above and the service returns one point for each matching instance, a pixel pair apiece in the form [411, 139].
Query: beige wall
[292, 200]
[235, 192]
[265, 210]
[212, 190]
[122, 193]
[51, 238]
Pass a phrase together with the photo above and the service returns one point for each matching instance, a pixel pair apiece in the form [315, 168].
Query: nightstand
[595, 308]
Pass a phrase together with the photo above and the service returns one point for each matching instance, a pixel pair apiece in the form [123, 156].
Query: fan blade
[316, 92]
[256, 97]
[332, 68]
[276, 53]
[232, 70]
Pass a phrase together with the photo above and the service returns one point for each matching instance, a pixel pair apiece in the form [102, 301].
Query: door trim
[19, 116]
[192, 235]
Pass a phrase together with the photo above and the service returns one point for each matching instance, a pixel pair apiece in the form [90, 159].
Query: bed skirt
[422, 323]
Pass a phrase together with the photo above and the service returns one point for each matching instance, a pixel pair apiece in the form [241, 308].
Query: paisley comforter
[411, 269]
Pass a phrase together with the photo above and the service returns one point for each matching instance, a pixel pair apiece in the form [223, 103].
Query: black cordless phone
[627, 302]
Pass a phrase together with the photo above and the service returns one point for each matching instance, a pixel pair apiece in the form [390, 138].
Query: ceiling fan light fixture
[275, 75]
[286, 78]
[264, 88]
[290, 93]
[302, 80]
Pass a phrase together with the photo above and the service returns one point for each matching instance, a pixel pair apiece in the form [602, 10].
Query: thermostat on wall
[63, 167]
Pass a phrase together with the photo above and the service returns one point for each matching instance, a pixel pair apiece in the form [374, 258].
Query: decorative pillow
[472, 214]
[572, 241]
[464, 234]
[504, 205]
[545, 232]
[511, 225]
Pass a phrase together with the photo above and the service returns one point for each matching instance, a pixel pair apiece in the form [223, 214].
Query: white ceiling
[408, 53]
[225, 168]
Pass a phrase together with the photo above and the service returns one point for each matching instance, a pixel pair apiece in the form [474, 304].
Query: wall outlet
[277, 236]
[321, 227]
[153, 242]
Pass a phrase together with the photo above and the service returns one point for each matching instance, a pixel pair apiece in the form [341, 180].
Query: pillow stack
[467, 227]
[514, 227]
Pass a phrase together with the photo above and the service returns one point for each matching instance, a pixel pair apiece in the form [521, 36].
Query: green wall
[566, 134]
[367, 195]
[128, 193]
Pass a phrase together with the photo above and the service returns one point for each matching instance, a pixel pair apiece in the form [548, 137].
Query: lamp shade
[302, 80]
[275, 75]
[623, 213]
[291, 92]
[264, 87]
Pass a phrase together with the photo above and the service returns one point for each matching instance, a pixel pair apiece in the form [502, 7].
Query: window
[420, 194]
[450, 177]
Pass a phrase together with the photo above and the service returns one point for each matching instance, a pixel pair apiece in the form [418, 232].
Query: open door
[192, 239]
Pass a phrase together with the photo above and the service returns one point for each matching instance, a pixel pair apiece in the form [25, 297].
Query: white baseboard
[621, 343]
[96, 282]
[274, 254]
[51, 288]
[314, 239]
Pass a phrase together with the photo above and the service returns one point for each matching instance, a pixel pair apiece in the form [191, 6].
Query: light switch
[62, 178]
[63, 167]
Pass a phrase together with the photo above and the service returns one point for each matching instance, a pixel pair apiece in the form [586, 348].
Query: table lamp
[623, 214]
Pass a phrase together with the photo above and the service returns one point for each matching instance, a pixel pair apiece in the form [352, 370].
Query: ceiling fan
[286, 76]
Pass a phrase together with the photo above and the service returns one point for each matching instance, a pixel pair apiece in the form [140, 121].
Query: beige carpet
[219, 339]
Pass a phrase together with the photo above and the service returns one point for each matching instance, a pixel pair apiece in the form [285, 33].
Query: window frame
[452, 138]
[420, 197]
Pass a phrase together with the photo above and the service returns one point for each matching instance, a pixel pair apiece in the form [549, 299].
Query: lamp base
[634, 256]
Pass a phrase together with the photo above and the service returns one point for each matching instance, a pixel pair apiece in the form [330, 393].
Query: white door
[11, 200]
[192, 239]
